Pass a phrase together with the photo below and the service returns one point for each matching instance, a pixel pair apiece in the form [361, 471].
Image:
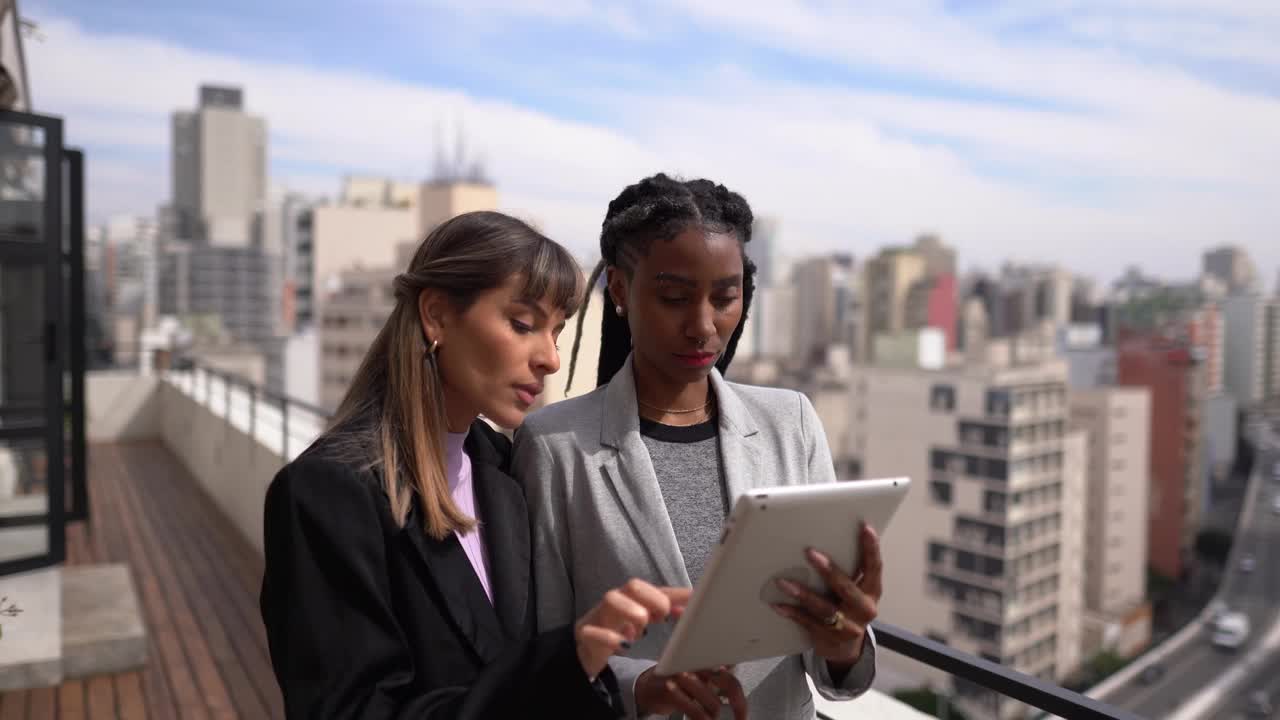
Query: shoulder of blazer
[580, 416]
[329, 489]
[770, 404]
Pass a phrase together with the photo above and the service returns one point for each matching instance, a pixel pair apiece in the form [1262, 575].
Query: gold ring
[834, 619]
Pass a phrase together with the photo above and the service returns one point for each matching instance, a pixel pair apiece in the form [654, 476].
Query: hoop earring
[618, 309]
[431, 349]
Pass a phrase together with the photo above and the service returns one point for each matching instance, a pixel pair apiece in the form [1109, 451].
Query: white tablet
[729, 619]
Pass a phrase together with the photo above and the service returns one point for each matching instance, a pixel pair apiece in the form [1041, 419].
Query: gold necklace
[666, 411]
[705, 409]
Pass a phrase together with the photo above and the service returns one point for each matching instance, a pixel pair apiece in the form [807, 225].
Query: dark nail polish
[626, 645]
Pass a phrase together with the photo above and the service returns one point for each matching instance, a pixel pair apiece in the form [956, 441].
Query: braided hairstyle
[660, 208]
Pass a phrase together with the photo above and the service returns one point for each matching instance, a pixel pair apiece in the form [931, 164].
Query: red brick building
[1172, 372]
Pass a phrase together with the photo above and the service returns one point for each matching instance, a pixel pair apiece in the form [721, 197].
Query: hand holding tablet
[733, 615]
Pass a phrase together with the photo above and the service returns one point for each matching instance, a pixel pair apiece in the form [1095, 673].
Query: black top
[678, 433]
[367, 619]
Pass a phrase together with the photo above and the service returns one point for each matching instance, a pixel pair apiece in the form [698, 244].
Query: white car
[1232, 631]
[1248, 563]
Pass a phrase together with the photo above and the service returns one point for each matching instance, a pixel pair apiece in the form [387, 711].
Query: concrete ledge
[102, 630]
[30, 652]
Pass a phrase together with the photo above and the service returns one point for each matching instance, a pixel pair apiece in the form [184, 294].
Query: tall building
[932, 303]
[987, 548]
[126, 276]
[219, 166]
[1117, 421]
[939, 259]
[1232, 267]
[1271, 352]
[440, 199]
[889, 278]
[349, 322]
[356, 251]
[823, 305]
[365, 191]
[761, 249]
[284, 236]
[1245, 347]
[1174, 377]
[1204, 330]
[1091, 364]
[357, 233]
[911, 288]
[231, 287]
[345, 237]
[774, 311]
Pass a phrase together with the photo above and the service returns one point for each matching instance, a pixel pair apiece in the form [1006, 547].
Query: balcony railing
[283, 425]
[286, 426]
[1037, 693]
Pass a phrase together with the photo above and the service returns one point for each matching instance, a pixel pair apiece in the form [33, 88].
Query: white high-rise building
[761, 249]
[1117, 421]
[987, 549]
[1245, 350]
[219, 166]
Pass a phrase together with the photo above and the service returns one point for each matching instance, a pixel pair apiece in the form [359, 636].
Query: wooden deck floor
[197, 581]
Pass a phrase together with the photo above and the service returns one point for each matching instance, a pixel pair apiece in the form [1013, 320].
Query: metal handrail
[1033, 691]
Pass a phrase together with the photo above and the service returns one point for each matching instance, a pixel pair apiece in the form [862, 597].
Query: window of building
[997, 469]
[998, 403]
[972, 466]
[937, 553]
[993, 501]
[942, 398]
[939, 459]
[940, 491]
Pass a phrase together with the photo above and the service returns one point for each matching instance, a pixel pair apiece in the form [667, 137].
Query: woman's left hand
[838, 624]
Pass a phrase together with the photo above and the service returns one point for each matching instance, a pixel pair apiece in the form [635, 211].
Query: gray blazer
[598, 517]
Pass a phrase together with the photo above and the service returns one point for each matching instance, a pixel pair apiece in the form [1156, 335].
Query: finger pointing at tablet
[619, 619]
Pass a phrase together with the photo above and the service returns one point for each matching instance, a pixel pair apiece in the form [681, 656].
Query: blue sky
[1094, 133]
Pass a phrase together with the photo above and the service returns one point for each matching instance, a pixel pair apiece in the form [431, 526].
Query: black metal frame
[75, 317]
[53, 431]
[1037, 693]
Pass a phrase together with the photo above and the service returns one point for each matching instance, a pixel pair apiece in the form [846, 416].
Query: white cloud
[1169, 162]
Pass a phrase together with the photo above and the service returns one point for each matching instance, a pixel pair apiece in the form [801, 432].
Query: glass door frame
[49, 255]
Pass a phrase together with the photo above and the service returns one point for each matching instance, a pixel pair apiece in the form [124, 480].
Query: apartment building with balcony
[988, 546]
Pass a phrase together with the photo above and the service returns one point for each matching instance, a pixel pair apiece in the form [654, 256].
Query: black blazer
[366, 619]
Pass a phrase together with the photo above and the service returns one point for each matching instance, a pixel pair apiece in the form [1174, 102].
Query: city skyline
[1092, 136]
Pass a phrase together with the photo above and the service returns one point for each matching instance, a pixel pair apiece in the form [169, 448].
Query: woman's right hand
[621, 617]
[697, 695]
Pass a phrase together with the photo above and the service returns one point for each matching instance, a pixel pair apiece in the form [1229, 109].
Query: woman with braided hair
[636, 477]
[398, 576]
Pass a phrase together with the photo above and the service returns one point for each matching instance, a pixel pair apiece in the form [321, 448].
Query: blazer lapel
[739, 450]
[504, 525]
[464, 598]
[634, 482]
